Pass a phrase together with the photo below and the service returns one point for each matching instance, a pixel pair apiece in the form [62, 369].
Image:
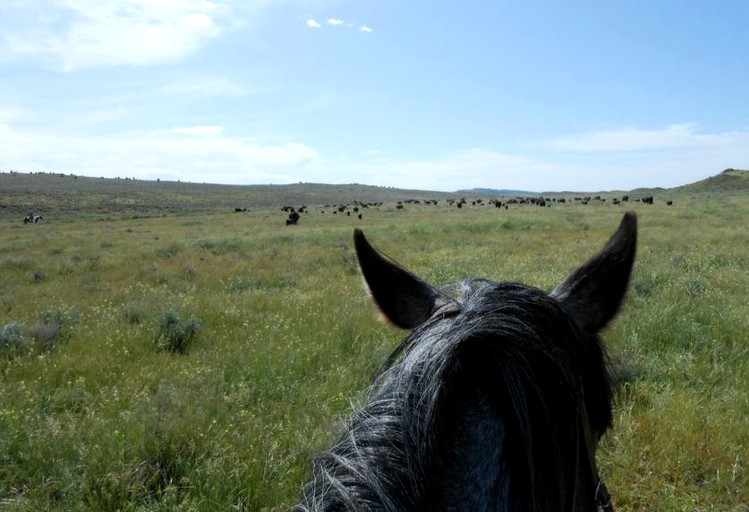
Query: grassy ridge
[731, 181]
[71, 197]
[97, 414]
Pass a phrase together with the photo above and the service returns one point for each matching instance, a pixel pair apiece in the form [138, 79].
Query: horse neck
[505, 450]
[475, 475]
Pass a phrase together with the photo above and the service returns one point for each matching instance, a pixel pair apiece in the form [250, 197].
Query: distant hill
[730, 180]
[66, 195]
[70, 195]
[495, 192]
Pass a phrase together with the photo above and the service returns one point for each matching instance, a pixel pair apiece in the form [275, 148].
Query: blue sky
[532, 95]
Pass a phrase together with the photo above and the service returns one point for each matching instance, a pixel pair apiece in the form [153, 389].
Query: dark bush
[14, 339]
[46, 334]
[174, 334]
[54, 326]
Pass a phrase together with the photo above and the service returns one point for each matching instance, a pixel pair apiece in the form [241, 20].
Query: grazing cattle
[647, 199]
[32, 219]
[669, 203]
[495, 401]
[293, 219]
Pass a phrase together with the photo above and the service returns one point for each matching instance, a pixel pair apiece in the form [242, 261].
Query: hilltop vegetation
[730, 180]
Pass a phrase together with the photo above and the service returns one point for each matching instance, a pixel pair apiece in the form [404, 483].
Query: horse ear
[403, 298]
[594, 292]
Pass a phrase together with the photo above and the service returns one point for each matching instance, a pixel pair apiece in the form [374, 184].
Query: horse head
[496, 400]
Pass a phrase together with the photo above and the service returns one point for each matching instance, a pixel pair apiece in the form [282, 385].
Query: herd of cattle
[356, 208]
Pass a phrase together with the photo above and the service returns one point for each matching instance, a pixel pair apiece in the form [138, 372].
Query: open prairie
[187, 357]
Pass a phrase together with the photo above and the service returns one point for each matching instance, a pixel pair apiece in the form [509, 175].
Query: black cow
[293, 219]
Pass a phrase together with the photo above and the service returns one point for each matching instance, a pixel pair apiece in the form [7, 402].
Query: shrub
[54, 325]
[14, 339]
[133, 312]
[174, 334]
[6, 303]
[170, 250]
[45, 334]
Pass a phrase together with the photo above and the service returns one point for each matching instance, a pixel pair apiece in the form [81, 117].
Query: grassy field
[197, 359]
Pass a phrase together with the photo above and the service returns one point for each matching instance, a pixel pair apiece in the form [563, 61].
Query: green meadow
[160, 355]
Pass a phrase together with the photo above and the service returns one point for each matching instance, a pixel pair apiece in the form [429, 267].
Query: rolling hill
[74, 196]
[730, 180]
[70, 195]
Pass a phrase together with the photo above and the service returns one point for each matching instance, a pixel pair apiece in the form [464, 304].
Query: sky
[526, 95]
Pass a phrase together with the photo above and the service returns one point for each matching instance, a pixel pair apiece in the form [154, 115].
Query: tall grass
[107, 420]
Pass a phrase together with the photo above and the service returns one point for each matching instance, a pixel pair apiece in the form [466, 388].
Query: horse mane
[514, 366]
[495, 401]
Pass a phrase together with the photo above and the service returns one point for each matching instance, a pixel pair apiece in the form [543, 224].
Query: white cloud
[199, 131]
[80, 34]
[213, 86]
[10, 114]
[635, 139]
[671, 157]
[632, 157]
[199, 154]
[207, 153]
[337, 22]
[198, 20]
[473, 168]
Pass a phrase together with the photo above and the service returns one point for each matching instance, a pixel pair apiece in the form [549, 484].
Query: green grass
[104, 418]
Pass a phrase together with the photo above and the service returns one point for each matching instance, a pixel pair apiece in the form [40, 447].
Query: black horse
[495, 401]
